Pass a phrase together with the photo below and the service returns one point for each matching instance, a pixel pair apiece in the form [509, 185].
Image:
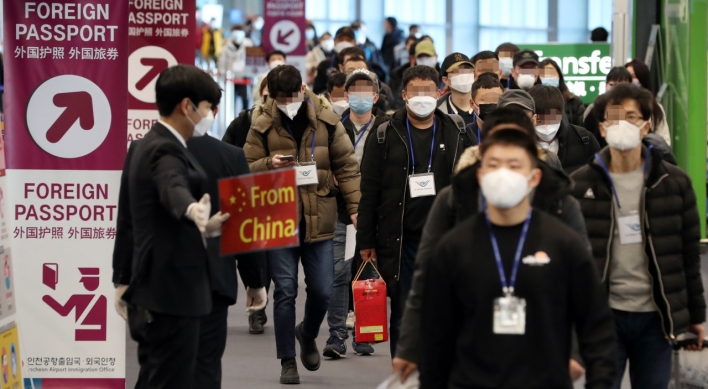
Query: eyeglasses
[632, 118]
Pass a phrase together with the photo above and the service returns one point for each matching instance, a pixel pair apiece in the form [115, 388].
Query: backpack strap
[330, 133]
[462, 127]
[583, 134]
[381, 132]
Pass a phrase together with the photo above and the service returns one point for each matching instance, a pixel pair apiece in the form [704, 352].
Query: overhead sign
[161, 34]
[284, 26]
[263, 210]
[66, 72]
[584, 65]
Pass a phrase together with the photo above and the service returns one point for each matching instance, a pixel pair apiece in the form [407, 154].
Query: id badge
[422, 185]
[509, 316]
[630, 229]
[306, 173]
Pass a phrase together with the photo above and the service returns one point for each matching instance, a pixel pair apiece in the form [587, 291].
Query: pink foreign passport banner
[66, 71]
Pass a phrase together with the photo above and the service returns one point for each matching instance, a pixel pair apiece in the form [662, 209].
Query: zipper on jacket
[403, 204]
[670, 333]
[454, 160]
[609, 244]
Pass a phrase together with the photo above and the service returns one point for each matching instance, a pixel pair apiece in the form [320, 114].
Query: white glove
[256, 299]
[199, 212]
[213, 227]
[120, 304]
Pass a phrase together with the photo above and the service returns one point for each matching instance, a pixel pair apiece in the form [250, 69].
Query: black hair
[411, 50]
[507, 46]
[420, 72]
[284, 80]
[486, 54]
[512, 114]
[275, 52]
[357, 59]
[567, 95]
[546, 98]
[353, 51]
[392, 21]
[619, 74]
[412, 26]
[411, 38]
[512, 137]
[325, 33]
[336, 80]
[645, 100]
[486, 81]
[237, 27]
[178, 82]
[429, 37]
[599, 35]
[264, 84]
[641, 71]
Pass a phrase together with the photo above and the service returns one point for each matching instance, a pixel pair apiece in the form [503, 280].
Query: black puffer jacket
[670, 225]
[385, 168]
[456, 204]
[577, 146]
[574, 109]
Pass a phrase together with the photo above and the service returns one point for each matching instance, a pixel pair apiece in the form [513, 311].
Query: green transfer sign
[584, 65]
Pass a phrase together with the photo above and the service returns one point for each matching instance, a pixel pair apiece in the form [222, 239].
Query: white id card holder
[422, 185]
[509, 316]
[306, 174]
[630, 229]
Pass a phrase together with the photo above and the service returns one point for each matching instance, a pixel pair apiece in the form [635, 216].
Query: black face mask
[485, 110]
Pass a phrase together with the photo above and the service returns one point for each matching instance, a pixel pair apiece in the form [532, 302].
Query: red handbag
[370, 308]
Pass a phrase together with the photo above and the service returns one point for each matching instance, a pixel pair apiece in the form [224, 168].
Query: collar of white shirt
[175, 133]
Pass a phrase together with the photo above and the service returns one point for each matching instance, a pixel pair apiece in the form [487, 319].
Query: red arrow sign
[157, 66]
[79, 106]
[282, 37]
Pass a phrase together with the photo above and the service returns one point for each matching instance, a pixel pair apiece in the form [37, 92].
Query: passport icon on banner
[50, 275]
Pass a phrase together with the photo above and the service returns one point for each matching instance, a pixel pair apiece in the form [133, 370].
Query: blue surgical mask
[550, 81]
[506, 64]
[310, 34]
[361, 105]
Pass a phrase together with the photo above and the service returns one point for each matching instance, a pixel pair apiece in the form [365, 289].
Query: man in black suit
[169, 290]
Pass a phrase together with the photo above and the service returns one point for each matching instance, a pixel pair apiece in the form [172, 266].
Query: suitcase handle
[361, 269]
[687, 342]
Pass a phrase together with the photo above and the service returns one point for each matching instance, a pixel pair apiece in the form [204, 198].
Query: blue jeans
[641, 341]
[317, 262]
[339, 306]
[409, 250]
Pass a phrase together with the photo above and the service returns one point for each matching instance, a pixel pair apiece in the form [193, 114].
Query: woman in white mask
[323, 50]
[232, 61]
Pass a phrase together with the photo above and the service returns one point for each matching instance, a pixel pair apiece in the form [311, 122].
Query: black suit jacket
[169, 272]
[222, 160]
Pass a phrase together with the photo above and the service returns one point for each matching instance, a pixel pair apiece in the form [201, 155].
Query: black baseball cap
[525, 56]
[453, 61]
[346, 30]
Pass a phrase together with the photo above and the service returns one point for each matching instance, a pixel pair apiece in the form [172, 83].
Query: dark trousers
[167, 349]
[212, 343]
[641, 341]
[240, 91]
[399, 292]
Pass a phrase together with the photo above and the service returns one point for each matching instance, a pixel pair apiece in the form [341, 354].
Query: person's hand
[368, 255]
[120, 304]
[256, 299]
[404, 367]
[215, 222]
[199, 212]
[355, 218]
[576, 370]
[279, 163]
[700, 331]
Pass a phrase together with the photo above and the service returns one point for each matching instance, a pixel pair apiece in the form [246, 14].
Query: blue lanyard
[344, 119]
[508, 288]
[508, 82]
[297, 157]
[432, 145]
[363, 132]
[331, 62]
[609, 177]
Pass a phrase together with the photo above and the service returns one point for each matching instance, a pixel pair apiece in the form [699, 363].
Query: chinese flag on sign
[263, 208]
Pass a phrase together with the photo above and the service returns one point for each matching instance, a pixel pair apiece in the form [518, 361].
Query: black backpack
[459, 122]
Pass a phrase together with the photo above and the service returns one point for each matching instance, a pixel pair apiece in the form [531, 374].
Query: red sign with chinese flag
[263, 210]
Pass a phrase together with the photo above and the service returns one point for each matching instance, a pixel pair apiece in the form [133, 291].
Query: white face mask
[547, 131]
[290, 110]
[506, 64]
[327, 45]
[426, 61]
[238, 35]
[201, 127]
[525, 81]
[340, 106]
[275, 64]
[623, 135]
[422, 106]
[505, 188]
[462, 82]
[341, 46]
